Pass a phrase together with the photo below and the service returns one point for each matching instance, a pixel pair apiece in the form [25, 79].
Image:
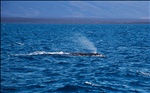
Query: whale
[36, 53]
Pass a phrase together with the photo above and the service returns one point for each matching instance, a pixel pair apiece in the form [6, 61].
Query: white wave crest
[41, 53]
[92, 84]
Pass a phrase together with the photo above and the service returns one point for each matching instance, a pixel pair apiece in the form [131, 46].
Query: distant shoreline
[74, 20]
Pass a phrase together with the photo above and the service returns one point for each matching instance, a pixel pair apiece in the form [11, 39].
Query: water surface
[125, 69]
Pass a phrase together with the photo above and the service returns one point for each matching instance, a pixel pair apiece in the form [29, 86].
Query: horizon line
[73, 20]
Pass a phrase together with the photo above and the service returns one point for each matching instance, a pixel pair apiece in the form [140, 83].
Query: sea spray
[85, 42]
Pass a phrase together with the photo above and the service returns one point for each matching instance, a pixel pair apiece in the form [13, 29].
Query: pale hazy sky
[77, 9]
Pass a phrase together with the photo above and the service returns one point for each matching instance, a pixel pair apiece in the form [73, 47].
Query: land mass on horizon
[73, 20]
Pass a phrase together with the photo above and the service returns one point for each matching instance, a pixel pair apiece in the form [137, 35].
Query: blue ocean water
[27, 67]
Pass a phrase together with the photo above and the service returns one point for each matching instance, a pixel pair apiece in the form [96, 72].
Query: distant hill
[73, 20]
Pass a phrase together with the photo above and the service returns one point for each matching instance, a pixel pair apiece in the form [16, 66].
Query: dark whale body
[87, 54]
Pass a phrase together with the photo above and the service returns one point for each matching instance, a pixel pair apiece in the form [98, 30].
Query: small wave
[92, 84]
[19, 43]
[71, 88]
[145, 73]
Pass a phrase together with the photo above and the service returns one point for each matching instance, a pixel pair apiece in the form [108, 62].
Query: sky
[76, 9]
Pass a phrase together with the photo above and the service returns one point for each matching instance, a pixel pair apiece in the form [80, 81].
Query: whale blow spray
[85, 43]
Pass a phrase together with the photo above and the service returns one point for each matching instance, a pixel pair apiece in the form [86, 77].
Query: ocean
[33, 58]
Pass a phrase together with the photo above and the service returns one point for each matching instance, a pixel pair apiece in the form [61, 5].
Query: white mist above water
[85, 42]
